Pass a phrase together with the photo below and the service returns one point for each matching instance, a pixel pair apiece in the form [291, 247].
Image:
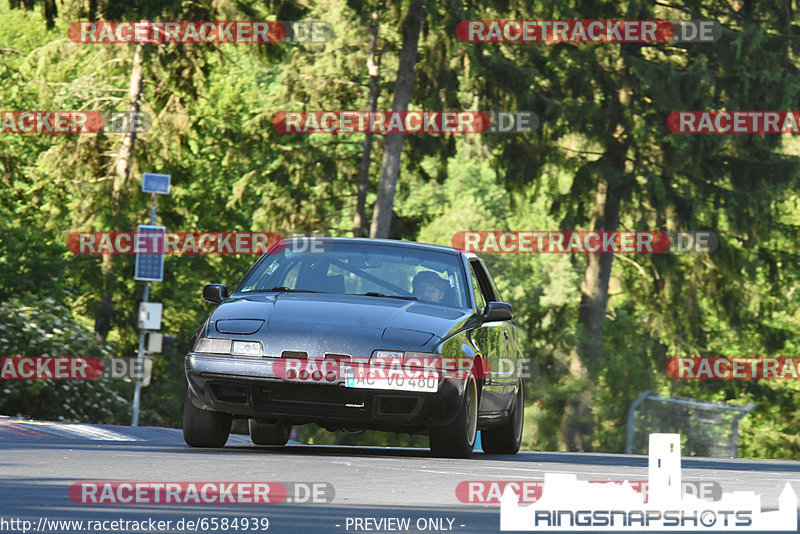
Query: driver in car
[429, 286]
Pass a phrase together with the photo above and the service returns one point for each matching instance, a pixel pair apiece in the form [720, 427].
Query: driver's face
[432, 292]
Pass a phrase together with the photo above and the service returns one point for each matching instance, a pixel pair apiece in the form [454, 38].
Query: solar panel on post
[150, 267]
[155, 183]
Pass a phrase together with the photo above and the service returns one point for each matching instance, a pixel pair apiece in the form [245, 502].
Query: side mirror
[497, 311]
[214, 293]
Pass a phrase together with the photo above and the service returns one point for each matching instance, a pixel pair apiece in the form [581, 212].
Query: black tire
[268, 434]
[203, 428]
[457, 439]
[506, 439]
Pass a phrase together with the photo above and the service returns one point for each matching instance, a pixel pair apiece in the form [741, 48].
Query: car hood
[340, 324]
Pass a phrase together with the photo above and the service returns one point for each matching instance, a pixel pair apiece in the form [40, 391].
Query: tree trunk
[579, 425]
[122, 168]
[390, 168]
[374, 66]
[125, 161]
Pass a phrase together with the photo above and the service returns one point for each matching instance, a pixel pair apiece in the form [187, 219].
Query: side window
[480, 300]
[493, 288]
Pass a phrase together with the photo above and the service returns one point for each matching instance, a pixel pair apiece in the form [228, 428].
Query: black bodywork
[329, 324]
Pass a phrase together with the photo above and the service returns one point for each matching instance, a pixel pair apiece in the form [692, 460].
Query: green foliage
[45, 328]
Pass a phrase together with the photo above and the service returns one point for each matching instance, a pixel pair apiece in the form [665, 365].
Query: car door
[492, 340]
[509, 370]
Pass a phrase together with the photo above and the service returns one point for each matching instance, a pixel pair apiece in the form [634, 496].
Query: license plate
[397, 383]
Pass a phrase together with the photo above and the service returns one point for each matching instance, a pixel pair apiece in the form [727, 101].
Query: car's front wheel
[506, 439]
[269, 434]
[457, 439]
[202, 428]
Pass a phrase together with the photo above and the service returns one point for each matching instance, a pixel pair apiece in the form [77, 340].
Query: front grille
[311, 400]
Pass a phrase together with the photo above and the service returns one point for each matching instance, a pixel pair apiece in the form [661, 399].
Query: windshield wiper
[282, 289]
[376, 294]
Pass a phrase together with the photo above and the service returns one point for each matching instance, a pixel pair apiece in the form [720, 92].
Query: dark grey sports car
[359, 334]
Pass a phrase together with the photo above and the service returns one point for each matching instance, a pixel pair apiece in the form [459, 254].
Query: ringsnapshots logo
[568, 504]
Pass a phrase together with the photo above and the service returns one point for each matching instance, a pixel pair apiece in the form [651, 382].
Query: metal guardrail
[648, 395]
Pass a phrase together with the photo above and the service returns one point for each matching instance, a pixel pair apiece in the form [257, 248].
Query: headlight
[409, 360]
[448, 367]
[247, 348]
[399, 355]
[213, 346]
[387, 354]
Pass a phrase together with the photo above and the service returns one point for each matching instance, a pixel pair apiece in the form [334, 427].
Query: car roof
[391, 242]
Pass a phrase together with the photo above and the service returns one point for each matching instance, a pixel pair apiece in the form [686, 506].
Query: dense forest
[600, 327]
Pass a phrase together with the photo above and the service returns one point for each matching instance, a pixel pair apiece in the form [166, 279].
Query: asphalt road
[40, 462]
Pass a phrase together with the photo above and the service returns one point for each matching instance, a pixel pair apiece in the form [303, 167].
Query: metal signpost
[149, 268]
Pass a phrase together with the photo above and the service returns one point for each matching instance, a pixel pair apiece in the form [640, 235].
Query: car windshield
[369, 269]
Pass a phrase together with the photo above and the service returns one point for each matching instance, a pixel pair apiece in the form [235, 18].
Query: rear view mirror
[373, 261]
[215, 293]
[497, 311]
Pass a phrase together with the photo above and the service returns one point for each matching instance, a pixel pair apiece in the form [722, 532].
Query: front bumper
[248, 387]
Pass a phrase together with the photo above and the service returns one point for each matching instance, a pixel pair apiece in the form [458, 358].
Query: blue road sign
[155, 183]
[150, 267]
